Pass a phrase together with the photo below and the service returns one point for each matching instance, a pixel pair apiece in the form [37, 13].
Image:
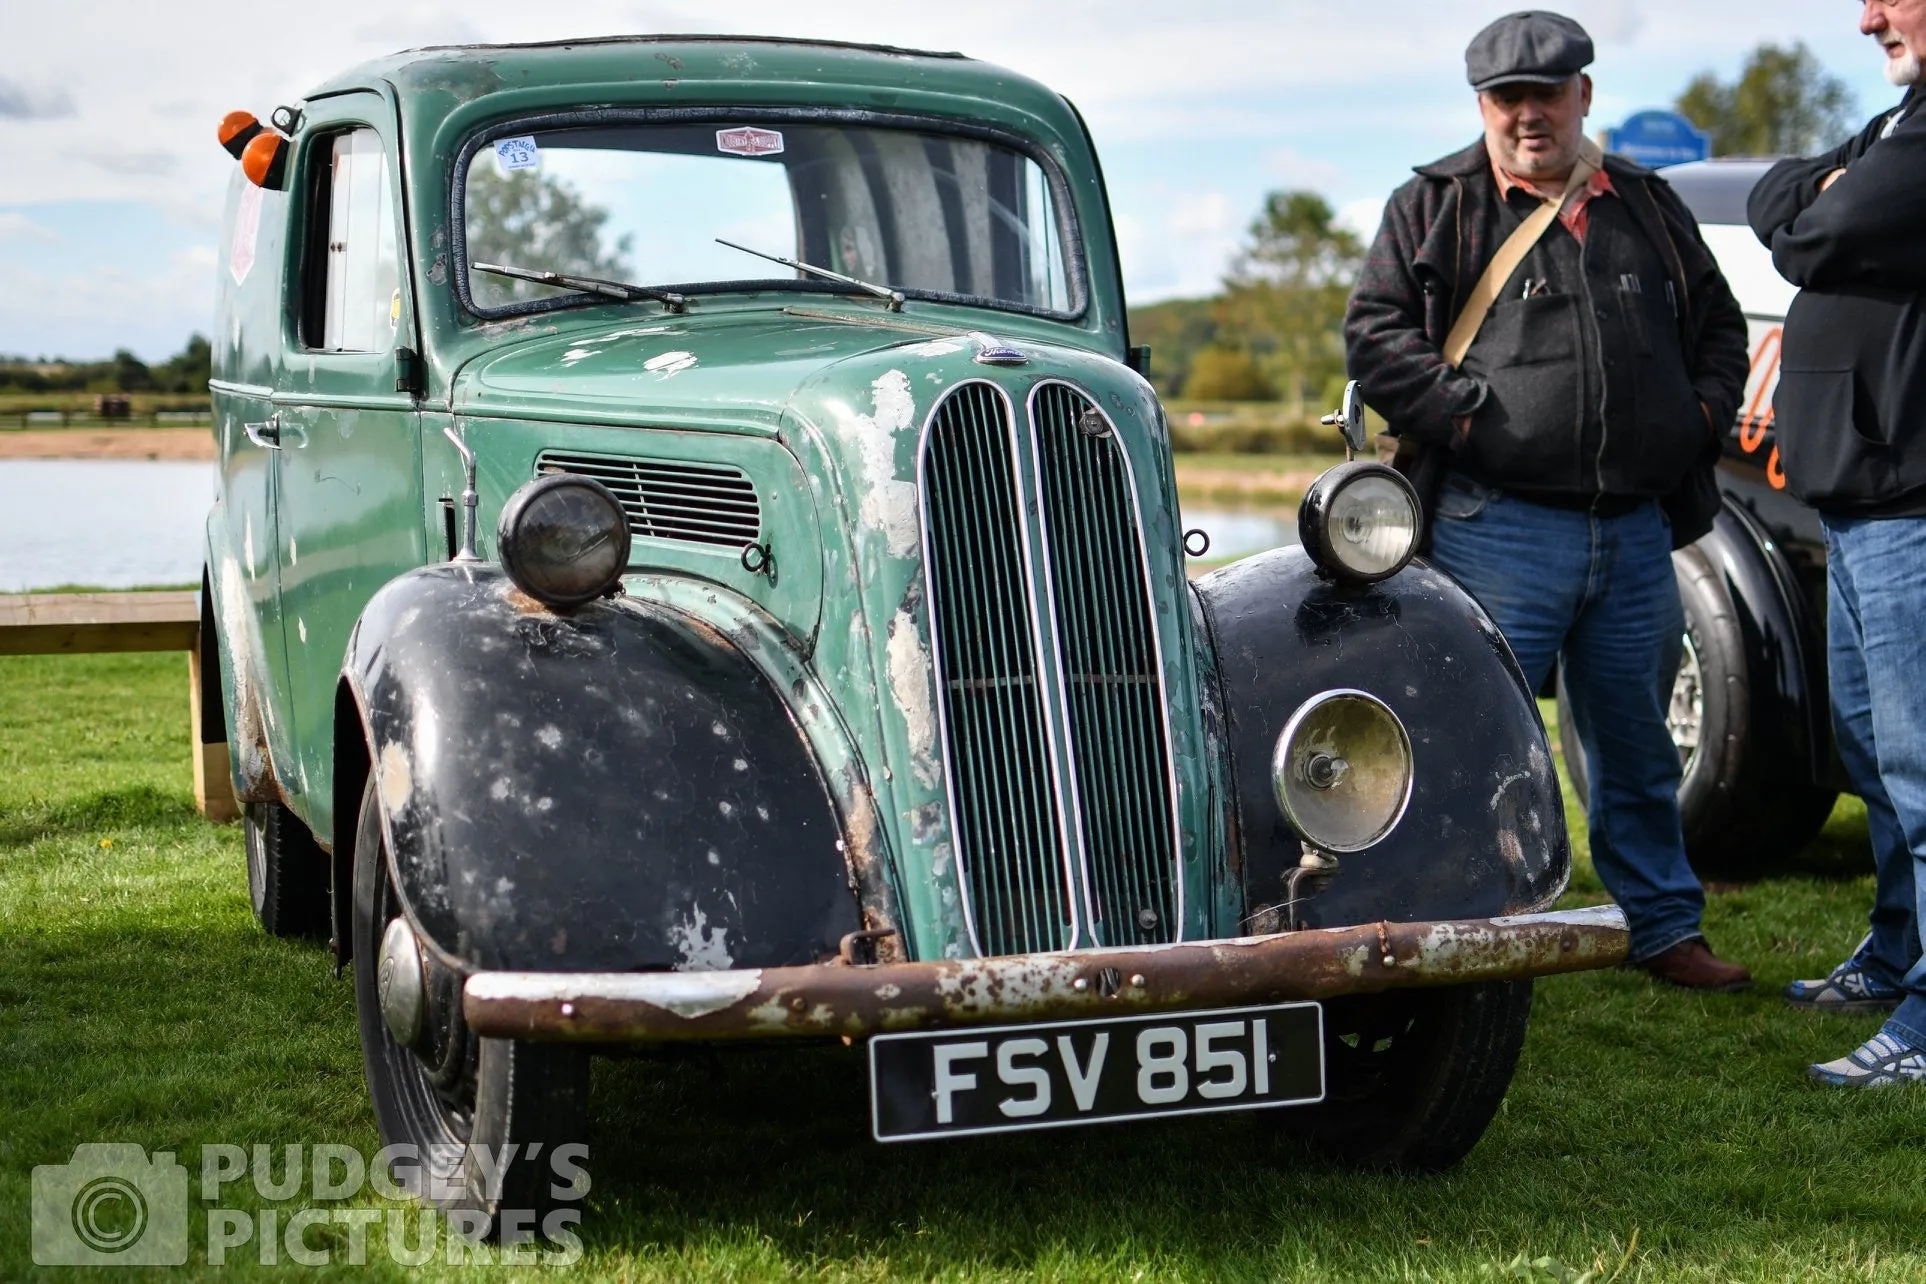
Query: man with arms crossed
[1599, 374]
[1849, 228]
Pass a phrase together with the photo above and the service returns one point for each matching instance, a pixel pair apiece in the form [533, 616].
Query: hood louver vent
[712, 504]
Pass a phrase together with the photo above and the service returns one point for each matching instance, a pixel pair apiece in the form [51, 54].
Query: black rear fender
[616, 789]
[1484, 833]
[1785, 648]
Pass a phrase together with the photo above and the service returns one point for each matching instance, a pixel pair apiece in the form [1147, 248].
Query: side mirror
[1348, 419]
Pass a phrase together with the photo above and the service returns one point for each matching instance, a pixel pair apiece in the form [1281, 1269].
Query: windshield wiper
[892, 299]
[589, 285]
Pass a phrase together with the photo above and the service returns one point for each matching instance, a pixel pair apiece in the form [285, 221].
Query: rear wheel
[1413, 1077]
[287, 873]
[1739, 812]
[457, 1099]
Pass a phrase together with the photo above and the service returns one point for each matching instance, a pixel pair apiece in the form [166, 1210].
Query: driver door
[349, 481]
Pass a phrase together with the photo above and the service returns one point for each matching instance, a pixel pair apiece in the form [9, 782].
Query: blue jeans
[1600, 591]
[1876, 650]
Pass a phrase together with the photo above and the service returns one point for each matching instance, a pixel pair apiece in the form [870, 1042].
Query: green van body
[353, 646]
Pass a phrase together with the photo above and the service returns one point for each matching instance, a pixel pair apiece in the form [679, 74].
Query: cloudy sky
[110, 191]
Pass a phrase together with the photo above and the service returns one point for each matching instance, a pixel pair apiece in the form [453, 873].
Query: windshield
[926, 213]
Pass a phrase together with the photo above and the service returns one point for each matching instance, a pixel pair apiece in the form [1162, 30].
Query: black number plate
[951, 1083]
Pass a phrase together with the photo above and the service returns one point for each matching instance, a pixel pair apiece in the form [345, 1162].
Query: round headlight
[563, 539]
[1342, 770]
[1360, 521]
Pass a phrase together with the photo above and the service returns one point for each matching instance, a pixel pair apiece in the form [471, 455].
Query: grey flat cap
[1535, 46]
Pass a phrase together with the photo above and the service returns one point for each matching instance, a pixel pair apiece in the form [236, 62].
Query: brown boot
[1691, 965]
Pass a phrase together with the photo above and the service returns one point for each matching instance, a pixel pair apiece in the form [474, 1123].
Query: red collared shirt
[1575, 216]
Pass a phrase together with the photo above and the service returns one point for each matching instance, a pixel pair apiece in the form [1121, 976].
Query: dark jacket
[1440, 230]
[1851, 404]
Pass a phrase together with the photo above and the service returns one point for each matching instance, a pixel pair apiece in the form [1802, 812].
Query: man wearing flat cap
[1555, 352]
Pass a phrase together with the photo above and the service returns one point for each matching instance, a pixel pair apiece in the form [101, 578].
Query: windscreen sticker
[747, 140]
[512, 154]
[247, 233]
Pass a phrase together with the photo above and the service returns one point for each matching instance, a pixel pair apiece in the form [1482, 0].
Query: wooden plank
[213, 785]
[72, 623]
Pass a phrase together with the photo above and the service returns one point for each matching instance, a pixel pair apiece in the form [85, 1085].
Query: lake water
[134, 523]
[105, 522]
[1238, 533]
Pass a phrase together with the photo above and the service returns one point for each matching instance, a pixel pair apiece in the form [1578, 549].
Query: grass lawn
[1649, 1134]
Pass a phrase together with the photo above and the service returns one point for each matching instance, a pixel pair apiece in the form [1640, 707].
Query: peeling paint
[911, 679]
[935, 347]
[1498, 794]
[889, 504]
[397, 777]
[701, 947]
[669, 364]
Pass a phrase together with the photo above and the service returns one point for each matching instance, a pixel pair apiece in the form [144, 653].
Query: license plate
[952, 1083]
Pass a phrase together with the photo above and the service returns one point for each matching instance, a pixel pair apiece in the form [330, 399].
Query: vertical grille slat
[1005, 813]
[1119, 742]
[712, 504]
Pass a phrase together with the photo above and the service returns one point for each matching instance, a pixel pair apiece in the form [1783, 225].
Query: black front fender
[1484, 833]
[612, 790]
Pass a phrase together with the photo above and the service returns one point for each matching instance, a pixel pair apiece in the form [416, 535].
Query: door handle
[266, 434]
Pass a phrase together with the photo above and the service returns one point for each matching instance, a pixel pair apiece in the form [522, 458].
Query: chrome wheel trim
[1685, 718]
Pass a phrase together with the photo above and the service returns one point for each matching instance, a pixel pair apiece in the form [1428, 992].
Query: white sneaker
[1880, 1060]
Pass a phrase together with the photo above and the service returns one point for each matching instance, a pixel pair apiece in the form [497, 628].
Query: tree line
[1274, 330]
[187, 371]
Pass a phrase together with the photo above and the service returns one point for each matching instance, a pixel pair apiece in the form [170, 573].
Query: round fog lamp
[563, 539]
[1360, 521]
[1342, 770]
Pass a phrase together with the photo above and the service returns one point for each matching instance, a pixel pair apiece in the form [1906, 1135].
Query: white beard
[1903, 70]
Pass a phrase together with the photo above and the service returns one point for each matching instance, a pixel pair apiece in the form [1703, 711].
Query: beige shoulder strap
[1512, 253]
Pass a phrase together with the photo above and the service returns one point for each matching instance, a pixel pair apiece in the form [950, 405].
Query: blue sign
[1655, 138]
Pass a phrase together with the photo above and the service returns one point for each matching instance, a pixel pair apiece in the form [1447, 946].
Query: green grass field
[1650, 1134]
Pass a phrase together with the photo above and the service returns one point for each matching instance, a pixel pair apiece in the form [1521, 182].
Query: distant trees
[1276, 328]
[1286, 292]
[1783, 102]
[526, 219]
[186, 372]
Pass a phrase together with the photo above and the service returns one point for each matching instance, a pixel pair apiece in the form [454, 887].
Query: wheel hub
[401, 983]
[1685, 718]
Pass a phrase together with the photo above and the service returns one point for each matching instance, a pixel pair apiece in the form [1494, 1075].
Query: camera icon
[110, 1206]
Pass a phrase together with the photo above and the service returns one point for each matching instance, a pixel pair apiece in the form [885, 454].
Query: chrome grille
[1113, 680]
[1005, 816]
[712, 504]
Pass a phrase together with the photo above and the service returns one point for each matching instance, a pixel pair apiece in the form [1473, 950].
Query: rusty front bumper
[839, 999]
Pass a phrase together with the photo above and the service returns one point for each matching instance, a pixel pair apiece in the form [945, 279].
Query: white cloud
[24, 102]
[1298, 170]
[1362, 216]
[15, 226]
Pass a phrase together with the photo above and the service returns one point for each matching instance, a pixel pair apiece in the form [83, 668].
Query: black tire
[287, 873]
[1740, 814]
[1413, 1077]
[459, 1093]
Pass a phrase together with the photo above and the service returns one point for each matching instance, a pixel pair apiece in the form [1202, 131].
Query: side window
[354, 298]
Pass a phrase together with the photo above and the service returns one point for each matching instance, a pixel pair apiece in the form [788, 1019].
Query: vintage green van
[696, 559]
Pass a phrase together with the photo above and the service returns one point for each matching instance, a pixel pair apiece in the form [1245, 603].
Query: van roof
[1716, 190]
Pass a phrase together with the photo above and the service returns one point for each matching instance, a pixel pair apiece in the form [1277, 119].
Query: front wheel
[460, 1101]
[1413, 1077]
